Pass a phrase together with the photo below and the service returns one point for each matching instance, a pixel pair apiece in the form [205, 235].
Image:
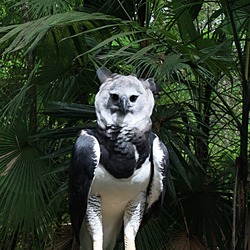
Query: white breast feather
[115, 195]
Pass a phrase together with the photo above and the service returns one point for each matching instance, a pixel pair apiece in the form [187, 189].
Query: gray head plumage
[124, 100]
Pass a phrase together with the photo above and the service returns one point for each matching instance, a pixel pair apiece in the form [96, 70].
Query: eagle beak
[124, 104]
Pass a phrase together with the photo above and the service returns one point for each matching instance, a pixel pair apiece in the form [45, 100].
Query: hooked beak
[124, 104]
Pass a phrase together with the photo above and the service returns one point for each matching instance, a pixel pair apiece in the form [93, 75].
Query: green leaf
[32, 32]
[24, 189]
[71, 110]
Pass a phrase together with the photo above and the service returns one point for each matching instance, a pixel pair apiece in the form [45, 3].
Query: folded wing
[85, 159]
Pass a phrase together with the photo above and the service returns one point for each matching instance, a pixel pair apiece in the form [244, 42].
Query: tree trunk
[30, 67]
[239, 239]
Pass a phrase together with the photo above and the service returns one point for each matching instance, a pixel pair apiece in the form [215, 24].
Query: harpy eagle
[118, 171]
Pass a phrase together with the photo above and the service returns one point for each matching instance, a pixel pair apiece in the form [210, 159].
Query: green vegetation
[198, 53]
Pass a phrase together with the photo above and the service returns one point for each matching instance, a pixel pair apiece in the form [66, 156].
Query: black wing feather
[83, 164]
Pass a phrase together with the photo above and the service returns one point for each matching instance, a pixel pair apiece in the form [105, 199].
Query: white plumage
[118, 170]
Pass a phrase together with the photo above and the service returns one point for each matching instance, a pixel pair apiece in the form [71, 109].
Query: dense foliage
[198, 53]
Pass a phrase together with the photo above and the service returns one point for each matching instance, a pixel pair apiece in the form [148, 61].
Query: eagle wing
[157, 186]
[85, 158]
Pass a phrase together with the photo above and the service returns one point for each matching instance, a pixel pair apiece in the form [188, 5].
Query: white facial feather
[140, 102]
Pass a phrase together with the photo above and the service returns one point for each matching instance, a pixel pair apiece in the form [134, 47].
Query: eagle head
[124, 100]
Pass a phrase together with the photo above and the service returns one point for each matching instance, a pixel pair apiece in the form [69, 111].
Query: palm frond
[36, 30]
[71, 110]
[24, 189]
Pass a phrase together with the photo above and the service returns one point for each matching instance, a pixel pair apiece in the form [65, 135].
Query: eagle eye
[114, 97]
[133, 98]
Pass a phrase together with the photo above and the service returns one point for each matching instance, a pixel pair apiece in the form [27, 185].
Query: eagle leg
[94, 221]
[132, 219]
[129, 244]
[97, 245]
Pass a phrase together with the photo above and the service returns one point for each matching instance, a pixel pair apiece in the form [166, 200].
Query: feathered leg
[94, 221]
[132, 220]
